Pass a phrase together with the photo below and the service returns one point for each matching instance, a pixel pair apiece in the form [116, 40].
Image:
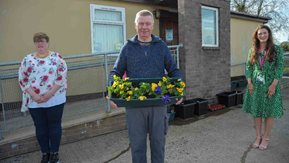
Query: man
[146, 56]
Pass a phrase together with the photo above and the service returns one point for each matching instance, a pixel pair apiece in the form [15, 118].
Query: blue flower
[166, 99]
[158, 90]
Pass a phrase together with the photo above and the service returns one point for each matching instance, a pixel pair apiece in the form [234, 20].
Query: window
[210, 30]
[107, 28]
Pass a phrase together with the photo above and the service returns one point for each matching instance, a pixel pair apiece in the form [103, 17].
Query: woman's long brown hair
[270, 55]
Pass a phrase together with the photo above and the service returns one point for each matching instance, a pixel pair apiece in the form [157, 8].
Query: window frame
[216, 10]
[106, 22]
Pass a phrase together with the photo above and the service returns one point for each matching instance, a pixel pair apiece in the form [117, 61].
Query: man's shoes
[45, 158]
[54, 158]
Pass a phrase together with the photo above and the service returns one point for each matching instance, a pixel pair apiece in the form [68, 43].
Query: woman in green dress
[264, 70]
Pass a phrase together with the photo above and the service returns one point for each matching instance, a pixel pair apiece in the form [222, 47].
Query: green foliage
[124, 89]
[286, 70]
[285, 45]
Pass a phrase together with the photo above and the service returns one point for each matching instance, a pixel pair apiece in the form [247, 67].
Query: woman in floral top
[264, 70]
[42, 78]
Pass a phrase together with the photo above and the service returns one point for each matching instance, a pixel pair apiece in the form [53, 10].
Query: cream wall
[241, 41]
[67, 22]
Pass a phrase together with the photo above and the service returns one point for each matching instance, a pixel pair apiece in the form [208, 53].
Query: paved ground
[219, 138]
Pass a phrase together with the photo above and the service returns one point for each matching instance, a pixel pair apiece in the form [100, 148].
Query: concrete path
[220, 138]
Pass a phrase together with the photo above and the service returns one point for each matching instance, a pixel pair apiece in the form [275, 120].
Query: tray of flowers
[145, 91]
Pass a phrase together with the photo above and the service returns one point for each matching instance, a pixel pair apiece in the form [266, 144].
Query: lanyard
[262, 60]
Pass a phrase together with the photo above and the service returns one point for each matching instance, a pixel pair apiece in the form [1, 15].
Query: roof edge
[247, 16]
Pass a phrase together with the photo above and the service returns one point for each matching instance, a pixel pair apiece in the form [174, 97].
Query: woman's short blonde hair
[39, 36]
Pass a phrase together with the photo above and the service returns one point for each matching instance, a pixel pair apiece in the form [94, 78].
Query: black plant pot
[186, 109]
[227, 98]
[239, 97]
[201, 106]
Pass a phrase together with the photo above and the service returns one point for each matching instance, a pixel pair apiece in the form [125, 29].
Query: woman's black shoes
[50, 158]
[54, 158]
[45, 158]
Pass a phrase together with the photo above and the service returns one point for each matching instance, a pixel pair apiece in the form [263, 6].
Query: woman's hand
[37, 98]
[250, 87]
[272, 88]
[45, 97]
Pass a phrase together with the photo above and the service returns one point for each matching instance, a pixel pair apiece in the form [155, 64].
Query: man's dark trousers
[147, 120]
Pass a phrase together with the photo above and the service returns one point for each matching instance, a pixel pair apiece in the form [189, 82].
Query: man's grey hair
[143, 13]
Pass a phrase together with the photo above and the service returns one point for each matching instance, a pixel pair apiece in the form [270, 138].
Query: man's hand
[179, 101]
[111, 103]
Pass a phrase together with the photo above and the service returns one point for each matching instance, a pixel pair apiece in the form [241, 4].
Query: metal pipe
[106, 80]
[3, 111]
[178, 57]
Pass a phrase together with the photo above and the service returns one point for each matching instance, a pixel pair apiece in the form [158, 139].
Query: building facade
[215, 41]
[204, 30]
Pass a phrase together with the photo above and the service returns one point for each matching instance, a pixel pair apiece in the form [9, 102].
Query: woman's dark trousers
[47, 122]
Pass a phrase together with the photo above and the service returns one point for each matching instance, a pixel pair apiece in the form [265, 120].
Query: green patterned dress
[259, 104]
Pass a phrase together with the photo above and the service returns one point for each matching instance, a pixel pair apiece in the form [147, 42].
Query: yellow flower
[142, 98]
[115, 83]
[183, 84]
[129, 92]
[115, 77]
[170, 86]
[128, 98]
[121, 86]
[180, 90]
[154, 85]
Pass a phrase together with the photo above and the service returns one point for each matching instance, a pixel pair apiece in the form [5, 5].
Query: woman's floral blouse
[41, 74]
